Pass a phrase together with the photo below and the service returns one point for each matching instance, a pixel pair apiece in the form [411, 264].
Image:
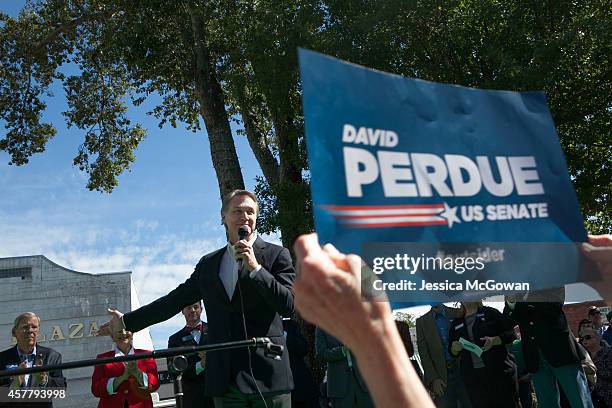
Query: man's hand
[328, 293]
[124, 376]
[599, 250]
[114, 325]
[19, 381]
[132, 369]
[456, 347]
[202, 356]
[438, 386]
[244, 251]
[490, 342]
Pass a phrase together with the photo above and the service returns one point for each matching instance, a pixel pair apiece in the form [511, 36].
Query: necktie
[28, 357]
[233, 279]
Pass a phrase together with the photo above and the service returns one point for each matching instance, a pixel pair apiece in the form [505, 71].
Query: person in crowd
[591, 340]
[28, 353]
[602, 357]
[124, 384]
[523, 375]
[595, 316]
[193, 334]
[441, 371]
[549, 348]
[305, 394]
[588, 366]
[246, 286]
[328, 293]
[583, 325]
[404, 330]
[607, 335]
[345, 386]
[490, 378]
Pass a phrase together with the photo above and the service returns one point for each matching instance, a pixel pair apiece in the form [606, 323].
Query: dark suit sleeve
[56, 378]
[429, 371]
[171, 344]
[548, 311]
[452, 337]
[162, 309]
[324, 351]
[296, 342]
[276, 285]
[4, 361]
[504, 326]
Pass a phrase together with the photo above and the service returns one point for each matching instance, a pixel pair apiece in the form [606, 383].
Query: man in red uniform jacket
[127, 384]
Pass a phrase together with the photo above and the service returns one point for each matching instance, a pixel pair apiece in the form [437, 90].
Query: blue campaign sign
[396, 159]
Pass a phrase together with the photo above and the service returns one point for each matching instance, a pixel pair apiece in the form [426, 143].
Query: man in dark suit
[550, 349]
[441, 373]
[193, 334]
[28, 353]
[248, 283]
[490, 378]
[345, 386]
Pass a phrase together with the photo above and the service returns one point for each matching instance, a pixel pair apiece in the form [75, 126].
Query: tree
[405, 317]
[123, 50]
[561, 47]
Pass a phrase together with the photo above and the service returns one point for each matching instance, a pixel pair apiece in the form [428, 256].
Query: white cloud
[159, 262]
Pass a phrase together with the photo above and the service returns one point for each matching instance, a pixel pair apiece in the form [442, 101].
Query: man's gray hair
[23, 316]
[228, 197]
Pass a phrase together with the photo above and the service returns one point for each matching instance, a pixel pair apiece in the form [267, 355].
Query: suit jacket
[193, 384]
[339, 371]
[10, 357]
[266, 297]
[431, 349]
[489, 322]
[544, 327]
[128, 390]
[305, 387]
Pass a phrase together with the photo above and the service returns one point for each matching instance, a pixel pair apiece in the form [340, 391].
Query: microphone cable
[246, 338]
[243, 232]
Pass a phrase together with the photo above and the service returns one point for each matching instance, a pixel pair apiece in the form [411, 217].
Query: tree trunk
[212, 109]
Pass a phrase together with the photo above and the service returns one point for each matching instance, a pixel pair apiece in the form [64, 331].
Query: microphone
[243, 232]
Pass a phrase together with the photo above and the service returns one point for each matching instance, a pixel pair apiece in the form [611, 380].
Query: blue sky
[159, 221]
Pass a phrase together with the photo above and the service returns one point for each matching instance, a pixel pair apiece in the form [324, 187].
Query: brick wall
[575, 312]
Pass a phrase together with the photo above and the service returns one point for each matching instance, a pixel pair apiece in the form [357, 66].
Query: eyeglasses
[587, 337]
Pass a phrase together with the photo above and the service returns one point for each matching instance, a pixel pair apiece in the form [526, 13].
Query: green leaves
[96, 105]
[131, 50]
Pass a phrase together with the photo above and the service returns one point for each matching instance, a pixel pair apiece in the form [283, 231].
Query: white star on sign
[450, 213]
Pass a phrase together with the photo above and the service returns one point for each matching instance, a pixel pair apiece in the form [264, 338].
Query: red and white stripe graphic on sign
[380, 216]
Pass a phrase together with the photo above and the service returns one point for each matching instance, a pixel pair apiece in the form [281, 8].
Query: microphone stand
[270, 349]
[179, 364]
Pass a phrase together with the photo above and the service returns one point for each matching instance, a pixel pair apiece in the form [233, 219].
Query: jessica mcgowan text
[406, 285]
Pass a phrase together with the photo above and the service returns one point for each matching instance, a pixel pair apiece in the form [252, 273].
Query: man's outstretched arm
[157, 311]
